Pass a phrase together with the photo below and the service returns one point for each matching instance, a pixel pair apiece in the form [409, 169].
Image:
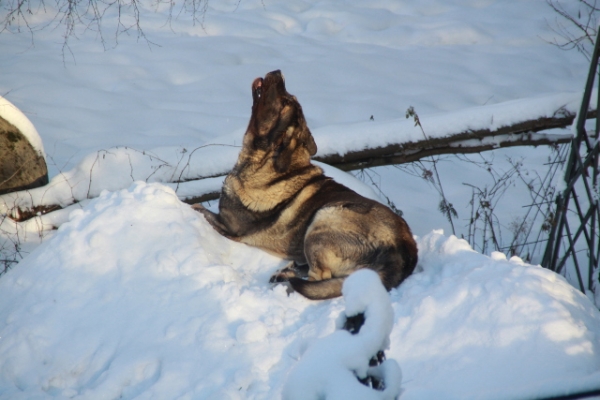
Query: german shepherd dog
[276, 200]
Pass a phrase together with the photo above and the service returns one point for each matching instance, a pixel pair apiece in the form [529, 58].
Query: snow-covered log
[525, 133]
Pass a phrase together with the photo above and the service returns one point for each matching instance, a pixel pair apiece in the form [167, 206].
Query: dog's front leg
[214, 220]
[291, 270]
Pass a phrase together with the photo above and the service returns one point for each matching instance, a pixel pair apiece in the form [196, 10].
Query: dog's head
[277, 127]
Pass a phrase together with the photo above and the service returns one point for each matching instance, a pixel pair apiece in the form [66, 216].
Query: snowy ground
[108, 307]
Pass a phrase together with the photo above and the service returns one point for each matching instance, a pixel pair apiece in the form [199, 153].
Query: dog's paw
[284, 274]
[279, 278]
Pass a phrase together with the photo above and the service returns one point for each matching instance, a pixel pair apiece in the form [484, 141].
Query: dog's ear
[288, 144]
[310, 144]
[284, 147]
[304, 135]
[290, 134]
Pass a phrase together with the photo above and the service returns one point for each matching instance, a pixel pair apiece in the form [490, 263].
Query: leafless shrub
[74, 17]
[576, 24]
[527, 233]
[432, 175]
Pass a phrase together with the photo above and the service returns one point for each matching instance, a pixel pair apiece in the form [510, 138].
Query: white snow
[136, 296]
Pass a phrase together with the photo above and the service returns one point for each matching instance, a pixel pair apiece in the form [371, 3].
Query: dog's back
[349, 232]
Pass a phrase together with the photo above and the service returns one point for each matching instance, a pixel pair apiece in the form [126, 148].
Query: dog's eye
[258, 92]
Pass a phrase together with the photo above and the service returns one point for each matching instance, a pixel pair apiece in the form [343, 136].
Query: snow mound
[136, 295]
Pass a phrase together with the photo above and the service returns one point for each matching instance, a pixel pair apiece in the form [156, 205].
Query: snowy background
[135, 295]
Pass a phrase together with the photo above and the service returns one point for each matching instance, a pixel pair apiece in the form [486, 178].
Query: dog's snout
[275, 79]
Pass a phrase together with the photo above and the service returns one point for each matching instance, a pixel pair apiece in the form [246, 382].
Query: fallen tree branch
[521, 134]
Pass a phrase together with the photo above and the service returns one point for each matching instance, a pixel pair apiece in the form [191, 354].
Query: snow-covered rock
[22, 157]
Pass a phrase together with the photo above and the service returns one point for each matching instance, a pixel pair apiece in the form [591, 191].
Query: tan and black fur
[275, 199]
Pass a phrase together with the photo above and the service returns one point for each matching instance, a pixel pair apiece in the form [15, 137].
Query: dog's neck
[259, 187]
[257, 165]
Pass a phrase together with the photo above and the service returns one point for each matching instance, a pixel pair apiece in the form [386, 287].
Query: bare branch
[576, 31]
[74, 17]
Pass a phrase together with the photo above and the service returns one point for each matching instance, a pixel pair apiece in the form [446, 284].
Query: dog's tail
[318, 290]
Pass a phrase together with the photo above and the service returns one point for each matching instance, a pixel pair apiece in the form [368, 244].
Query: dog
[277, 200]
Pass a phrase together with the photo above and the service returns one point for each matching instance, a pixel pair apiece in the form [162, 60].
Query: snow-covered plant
[334, 366]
